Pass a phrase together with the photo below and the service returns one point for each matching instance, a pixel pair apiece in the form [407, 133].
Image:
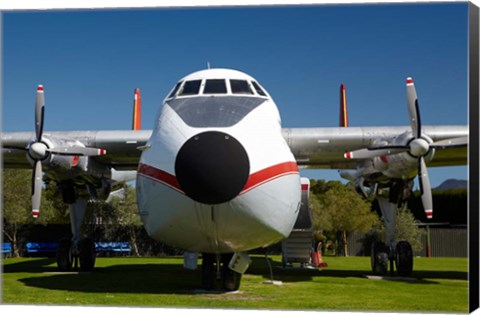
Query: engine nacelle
[403, 165]
[80, 169]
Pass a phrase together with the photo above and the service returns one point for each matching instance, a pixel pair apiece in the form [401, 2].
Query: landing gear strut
[76, 252]
[391, 253]
[216, 275]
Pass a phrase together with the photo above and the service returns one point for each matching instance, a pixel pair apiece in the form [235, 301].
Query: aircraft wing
[321, 148]
[121, 146]
[324, 148]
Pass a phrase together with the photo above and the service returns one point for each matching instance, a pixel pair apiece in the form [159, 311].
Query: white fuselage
[247, 191]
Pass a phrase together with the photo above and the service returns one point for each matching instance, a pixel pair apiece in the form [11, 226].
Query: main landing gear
[401, 255]
[77, 253]
[81, 256]
[385, 255]
[216, 275]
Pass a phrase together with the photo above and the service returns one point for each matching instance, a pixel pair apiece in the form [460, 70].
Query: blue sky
[90, 61]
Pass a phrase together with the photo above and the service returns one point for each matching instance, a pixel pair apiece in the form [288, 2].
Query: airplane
[218, 175]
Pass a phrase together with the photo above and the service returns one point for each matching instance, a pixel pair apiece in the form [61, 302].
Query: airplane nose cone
[212, 167]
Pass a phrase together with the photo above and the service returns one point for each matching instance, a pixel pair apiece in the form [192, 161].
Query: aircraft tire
[64, 255]
[379, 258]
[231, 279]
[208, 271]
[404, 258]
[87, 254]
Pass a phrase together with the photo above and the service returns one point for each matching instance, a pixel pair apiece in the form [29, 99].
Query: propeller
[417, 147]
[39, 151]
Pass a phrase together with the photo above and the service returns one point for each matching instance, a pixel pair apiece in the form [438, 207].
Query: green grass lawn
[441, 285]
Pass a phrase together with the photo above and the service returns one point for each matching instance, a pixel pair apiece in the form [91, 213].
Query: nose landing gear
[216, 275]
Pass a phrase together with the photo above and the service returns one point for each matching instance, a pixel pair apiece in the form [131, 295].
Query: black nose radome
[212, 167]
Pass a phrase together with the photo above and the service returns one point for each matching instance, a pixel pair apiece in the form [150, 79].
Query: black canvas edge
[473, 157]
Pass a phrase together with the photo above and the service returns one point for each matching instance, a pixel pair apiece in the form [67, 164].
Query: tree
[17, 205]
[341, 210]
[406, 229]
[125, 215]
[60, 213]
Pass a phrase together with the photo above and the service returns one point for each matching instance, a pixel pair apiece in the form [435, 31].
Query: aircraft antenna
[208, 64]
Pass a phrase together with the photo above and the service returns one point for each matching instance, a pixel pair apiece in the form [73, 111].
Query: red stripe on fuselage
[159, 175]
[254, 180]
[268, 174]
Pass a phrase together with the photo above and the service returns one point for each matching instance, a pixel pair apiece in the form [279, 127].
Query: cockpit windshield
[215, 101]
[258, 89]
[217, 87]
[175, 89]
[240, 87]
[190, 88]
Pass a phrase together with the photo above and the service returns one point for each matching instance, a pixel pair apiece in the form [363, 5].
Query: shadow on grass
[31, 265]
[298, 274]
[172, 278]
[142, 278]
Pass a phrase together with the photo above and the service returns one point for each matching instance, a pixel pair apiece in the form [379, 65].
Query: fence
[444, 242]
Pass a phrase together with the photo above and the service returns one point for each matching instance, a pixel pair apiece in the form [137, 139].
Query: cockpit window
[175, 89]
[190, 88]
[215, 86]
[258, 89]
[240, 87]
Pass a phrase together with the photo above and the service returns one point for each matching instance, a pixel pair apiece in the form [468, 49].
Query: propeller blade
[413, 108]
[84, 151]
[449, 143]
[425, 188]
[374, 152]
[36, 188]
[39, 112]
